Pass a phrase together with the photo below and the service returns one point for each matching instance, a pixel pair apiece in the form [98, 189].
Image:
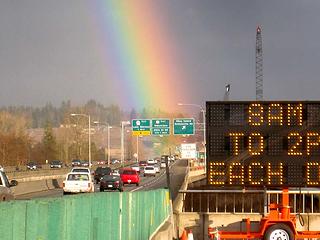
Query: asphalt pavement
[177, 173]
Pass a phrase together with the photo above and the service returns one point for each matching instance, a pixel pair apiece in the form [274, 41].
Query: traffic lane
[177, 175]
[59, 192]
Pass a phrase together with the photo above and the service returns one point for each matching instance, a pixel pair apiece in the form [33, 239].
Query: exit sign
[183, 126]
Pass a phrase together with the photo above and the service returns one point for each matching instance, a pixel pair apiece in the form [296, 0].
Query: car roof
[74, 173]
[81, 168]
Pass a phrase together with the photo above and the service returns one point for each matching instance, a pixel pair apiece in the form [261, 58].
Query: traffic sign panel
[160, 131]
[141, 133]
[183, 126]
[160, 126]
[160, 123]
[141, 127]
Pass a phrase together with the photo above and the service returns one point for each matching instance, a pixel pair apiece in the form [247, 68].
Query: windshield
[78, 177]
[103, 170]
[149, 168]
[128, 172]
[80, 170]
[111, 177]
[5, 179]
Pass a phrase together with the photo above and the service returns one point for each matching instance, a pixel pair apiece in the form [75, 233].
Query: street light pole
[123, 123]
[137, 148]
[89, 127]
[204, 129]
[108, 141]
[89, 133]
[109, 152]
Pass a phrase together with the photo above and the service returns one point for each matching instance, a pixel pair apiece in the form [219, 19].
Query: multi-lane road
[177, 173]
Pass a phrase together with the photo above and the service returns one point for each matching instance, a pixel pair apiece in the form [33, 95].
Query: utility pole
[259, 65]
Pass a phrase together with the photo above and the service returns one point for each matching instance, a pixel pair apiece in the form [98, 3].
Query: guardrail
[94, 216]
[248, 201]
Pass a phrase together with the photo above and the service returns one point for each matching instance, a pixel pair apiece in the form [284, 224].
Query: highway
[177, 173]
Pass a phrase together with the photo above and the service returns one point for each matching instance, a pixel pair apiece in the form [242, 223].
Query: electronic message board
[263, 143]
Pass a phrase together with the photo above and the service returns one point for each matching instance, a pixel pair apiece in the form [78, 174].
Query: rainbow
[140, 58]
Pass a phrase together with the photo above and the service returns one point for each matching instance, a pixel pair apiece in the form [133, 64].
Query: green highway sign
[183, 126]
[160, 131]
[160, 126]
[141, 127]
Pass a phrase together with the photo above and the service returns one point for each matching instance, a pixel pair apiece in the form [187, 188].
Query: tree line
[69, 140]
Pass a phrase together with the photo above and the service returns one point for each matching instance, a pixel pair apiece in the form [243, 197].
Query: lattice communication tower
[259, 65]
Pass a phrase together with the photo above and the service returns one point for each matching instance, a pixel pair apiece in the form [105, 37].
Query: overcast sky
[49, 49]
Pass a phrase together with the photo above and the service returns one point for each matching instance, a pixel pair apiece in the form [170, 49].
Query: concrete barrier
[37, 185]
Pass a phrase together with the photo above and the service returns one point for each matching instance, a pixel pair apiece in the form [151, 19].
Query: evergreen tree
[49, 143]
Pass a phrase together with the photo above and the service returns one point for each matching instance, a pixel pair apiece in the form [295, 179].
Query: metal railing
[248, 201]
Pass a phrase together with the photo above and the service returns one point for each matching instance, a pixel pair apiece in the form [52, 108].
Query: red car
[129, 175]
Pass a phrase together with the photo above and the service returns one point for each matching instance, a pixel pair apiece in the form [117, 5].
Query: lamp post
[108, 143]
[204, 128]
[89, 133]
[123, 124]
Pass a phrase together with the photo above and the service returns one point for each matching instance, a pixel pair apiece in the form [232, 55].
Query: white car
[157, 168]
[151, 161]
[115, 172]
[136, 167]
[149, 170]
[163, 164]
[77, 182]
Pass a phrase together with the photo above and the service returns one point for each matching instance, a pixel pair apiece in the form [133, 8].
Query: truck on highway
[5, 191]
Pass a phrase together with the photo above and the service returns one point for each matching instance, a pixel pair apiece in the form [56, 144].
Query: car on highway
[56, 164]
[101, 162]
[78, 182]
[5, 191]
[143, 163]
[149, 171]
[111, 182]
[151, 161]
[115, 172]
[163, 164]
[115, 161]
[100, 172]
[136, 167]
[76, 162]
[33, 166]
[157, 167]
[85, 163]
[130, 176]
[81, 169]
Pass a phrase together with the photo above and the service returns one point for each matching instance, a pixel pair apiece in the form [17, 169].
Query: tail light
[63, 184]
[89, 184]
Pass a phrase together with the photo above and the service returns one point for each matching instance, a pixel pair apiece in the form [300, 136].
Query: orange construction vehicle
[280, 224]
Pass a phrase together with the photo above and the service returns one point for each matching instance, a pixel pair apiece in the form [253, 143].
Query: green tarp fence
[108, 215]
